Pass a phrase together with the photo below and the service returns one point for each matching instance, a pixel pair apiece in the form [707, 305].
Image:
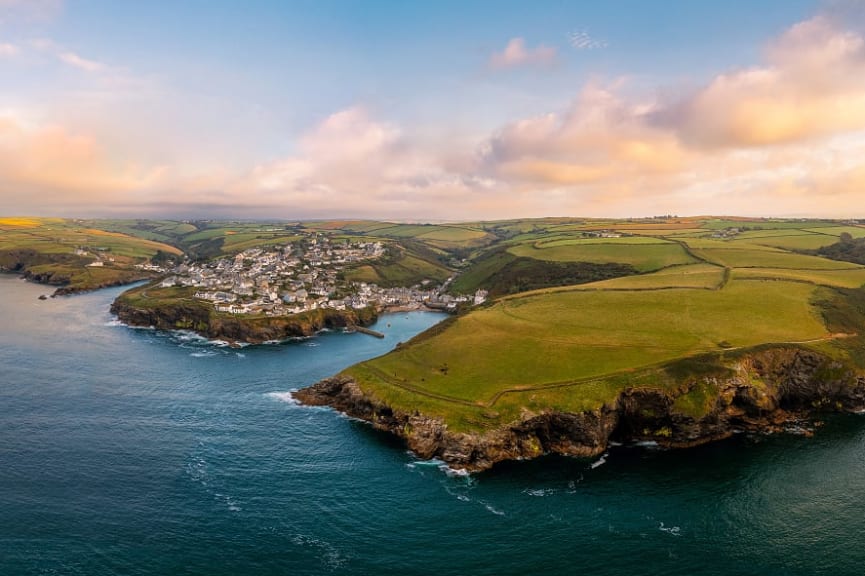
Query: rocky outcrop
[767, 391]
[190, 314]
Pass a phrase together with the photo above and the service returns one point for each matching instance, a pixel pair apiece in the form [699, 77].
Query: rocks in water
[43, 297]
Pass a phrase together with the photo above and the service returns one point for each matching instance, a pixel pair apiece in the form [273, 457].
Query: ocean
[133, 451]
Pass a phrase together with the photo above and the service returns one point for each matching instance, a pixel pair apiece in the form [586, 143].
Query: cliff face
[770, 389]
[199, 317]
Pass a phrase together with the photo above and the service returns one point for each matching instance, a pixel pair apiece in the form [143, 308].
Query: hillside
[73, 254]
[417, 252]
[728, 292]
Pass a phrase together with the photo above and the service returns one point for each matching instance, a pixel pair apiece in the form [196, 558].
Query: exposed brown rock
[771, 391]
[200, 317]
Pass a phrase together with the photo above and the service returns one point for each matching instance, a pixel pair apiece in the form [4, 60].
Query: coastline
[199, 317]
[773, 391]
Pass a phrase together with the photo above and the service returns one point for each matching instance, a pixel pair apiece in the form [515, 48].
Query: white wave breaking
[283, 397]
[673, 530]
[599, 462]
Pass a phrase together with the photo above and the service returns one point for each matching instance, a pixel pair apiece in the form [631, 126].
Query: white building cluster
[301, 276]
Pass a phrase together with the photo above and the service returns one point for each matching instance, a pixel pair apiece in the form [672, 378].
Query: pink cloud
[784, 136]
[811, 85]
[8, 50]
[516, 54]
[76, 61]
[49, 165]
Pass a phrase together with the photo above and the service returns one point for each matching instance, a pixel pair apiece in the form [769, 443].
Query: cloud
[8, 50]
[351, 163]
[76, 61]
[767, 139]
[599, 138]
[47, 165]
[29, 9]
[516, 54]
[785, 136]
[70, 58]
[581, 40]
[811, 85]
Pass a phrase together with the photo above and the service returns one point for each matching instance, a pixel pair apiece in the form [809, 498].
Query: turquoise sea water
[127, 451]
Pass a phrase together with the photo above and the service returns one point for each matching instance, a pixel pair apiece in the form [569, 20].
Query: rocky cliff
[763, 391]
[191, 314]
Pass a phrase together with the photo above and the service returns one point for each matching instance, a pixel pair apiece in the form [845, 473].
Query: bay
[132, 451]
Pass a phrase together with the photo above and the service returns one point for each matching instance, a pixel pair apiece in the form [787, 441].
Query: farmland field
[530, 343]
[706, 287]
[646, 257]
[59, 251]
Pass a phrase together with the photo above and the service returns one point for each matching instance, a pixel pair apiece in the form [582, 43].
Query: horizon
[440, 221]
[431, 113]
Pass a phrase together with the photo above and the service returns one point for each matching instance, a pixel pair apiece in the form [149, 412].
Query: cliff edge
[200, 317]
[764, 391]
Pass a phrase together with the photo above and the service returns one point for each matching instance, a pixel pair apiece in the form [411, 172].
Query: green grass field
[800, 242]
[576, 347]
[45, 247]
[625, 240]
[768, 258]
[643, 257]
[837, 278]
[689, 276]
[560, 343]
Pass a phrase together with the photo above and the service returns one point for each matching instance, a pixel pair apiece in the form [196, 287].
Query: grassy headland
[710, 289]
[73, 254]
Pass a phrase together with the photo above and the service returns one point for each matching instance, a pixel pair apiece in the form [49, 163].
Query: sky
[431, 111]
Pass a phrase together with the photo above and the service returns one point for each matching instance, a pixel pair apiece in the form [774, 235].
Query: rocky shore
[769, 391]
[201, 318]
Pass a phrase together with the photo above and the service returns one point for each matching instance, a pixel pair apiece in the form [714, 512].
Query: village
[301, 276]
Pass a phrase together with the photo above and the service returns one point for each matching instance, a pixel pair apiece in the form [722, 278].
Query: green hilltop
[668, 291]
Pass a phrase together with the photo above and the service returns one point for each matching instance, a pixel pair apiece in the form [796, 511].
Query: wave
[283, 397]
[492, 509]
[188, 336]
[454, 472]
[647, 444]
[116, 322]
[539, 492]
[599, 462]
[204, 354]
[230, 502]
[330, 556]
[673, 530]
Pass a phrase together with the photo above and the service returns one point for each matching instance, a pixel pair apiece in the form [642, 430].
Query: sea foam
[282, 397]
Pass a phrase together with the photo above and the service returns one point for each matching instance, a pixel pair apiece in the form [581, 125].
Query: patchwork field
[642, 256]
[712, 287]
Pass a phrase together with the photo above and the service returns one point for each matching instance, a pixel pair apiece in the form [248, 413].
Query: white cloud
[76, 61]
